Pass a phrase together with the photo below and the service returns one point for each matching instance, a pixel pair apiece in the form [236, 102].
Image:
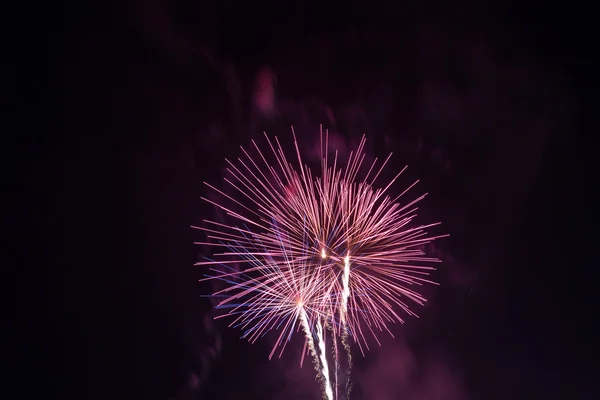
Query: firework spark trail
[319, 358]
[309, 339]
[336, 364]
[346, 346]
[323, 358]
[343, 312]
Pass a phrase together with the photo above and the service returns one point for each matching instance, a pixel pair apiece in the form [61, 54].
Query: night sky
[147, 98]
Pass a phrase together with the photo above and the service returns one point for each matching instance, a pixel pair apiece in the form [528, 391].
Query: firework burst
[326, 251]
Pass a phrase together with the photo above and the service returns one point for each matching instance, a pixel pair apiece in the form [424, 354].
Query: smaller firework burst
[276, 293]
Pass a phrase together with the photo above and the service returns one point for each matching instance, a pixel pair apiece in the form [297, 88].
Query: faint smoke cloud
[397, 373]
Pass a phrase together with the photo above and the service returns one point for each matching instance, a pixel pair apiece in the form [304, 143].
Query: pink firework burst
[332, 246]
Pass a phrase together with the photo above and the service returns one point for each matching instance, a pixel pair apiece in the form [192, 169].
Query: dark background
[115, 157]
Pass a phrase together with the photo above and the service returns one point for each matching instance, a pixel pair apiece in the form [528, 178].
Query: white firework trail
[309, 339]
[345, 288]
[336, 363]
[343, 313]
[324, 365]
